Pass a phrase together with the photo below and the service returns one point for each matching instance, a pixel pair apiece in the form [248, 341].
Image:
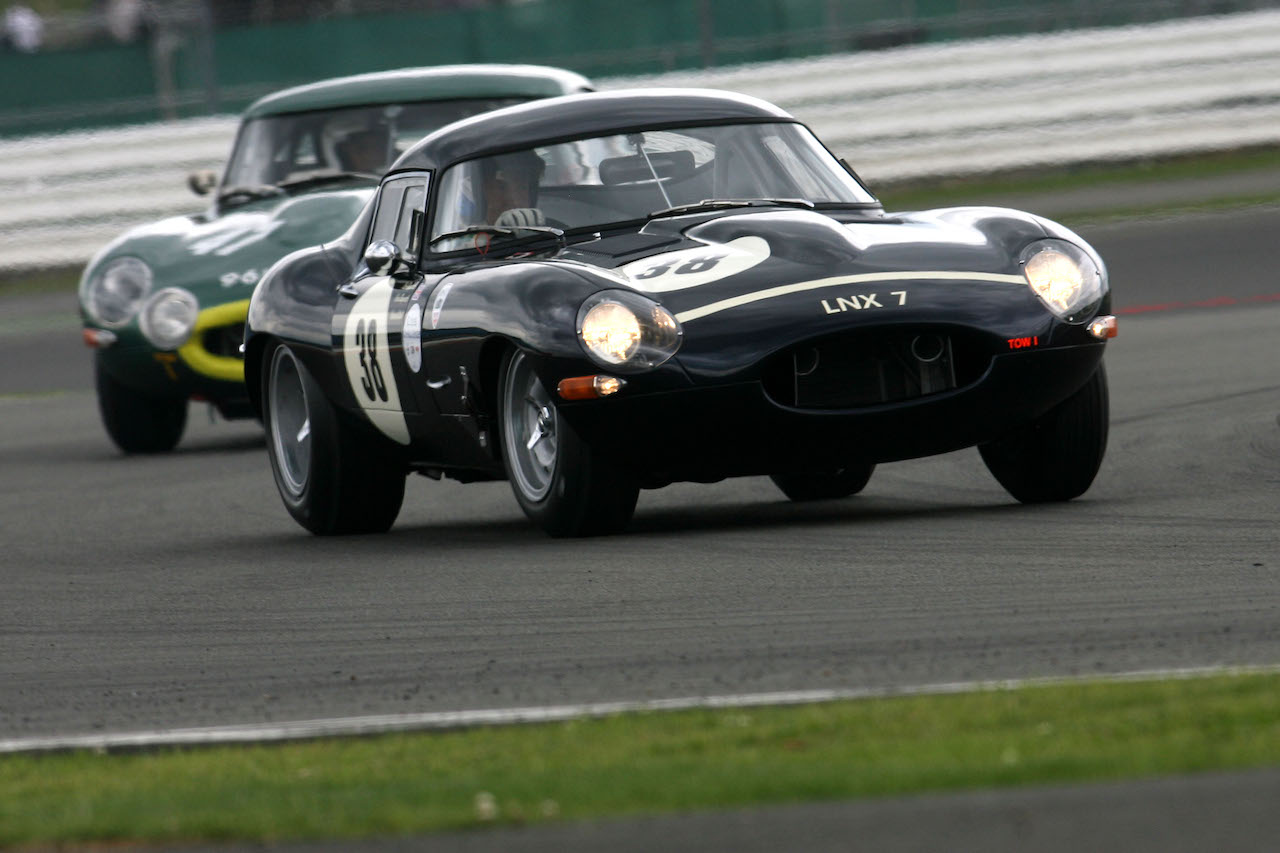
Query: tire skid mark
[1215, 302]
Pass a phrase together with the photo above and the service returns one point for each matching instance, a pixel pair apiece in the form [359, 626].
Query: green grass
[645, 763]
[57, 280]
[1212, 205]
[957, 191]
[60, 7]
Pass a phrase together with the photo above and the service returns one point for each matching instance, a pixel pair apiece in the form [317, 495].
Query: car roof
[579, 116]
[442, 82]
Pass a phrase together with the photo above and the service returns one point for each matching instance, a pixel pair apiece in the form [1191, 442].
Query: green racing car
[164, 304]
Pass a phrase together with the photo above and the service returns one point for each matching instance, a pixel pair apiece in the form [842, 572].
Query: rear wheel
[824, 485]
[138, 422]
[332, 478]
[563, 485]
[1056, 456]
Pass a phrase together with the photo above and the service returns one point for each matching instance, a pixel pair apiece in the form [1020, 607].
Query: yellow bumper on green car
[216, 365]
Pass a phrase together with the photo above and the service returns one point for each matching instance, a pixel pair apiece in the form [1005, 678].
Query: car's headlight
[1065, 278]
[113, 294]
[626, 331]
[168, 318]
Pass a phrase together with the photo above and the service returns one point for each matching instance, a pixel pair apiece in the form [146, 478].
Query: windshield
[591, 183]
[365, 140]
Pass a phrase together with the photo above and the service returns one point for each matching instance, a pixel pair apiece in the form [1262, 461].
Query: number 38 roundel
[693, 267]
[366, 354]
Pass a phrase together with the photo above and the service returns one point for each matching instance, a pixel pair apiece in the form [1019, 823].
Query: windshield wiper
[501, 231]
[722, 203]
[240, 195]
[323, 176]
[252, 192]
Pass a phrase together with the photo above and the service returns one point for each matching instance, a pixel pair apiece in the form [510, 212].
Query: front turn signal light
[1104, 327]
[98, 338]
[589, 387]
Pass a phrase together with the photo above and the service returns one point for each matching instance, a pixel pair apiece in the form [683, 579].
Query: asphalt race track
[175, 591]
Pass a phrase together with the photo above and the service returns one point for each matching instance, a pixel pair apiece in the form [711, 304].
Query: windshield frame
[231, 175]
[860, 197]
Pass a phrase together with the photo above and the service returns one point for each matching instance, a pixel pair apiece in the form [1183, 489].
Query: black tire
[564, 486]
[333, 478]
[825, 485]
[138, 422]
[1055, 457]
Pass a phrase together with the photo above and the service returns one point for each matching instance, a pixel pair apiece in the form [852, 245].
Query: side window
[409, 223]
[400, 213]
[384, 223]
[304, 153]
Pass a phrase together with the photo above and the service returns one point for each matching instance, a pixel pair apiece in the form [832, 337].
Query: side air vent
[224, 341]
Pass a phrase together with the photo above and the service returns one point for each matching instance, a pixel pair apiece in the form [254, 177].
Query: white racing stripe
[442, 720]
[840, 280]
[366, 352]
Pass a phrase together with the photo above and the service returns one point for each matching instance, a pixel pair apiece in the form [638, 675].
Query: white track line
[444, 720]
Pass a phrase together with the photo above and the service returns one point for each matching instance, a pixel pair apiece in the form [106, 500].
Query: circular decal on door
[438, 305]
[412, 336]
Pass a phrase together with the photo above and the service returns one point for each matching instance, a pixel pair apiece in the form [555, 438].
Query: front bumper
[213, 350]
[208, 366]
[707, 433]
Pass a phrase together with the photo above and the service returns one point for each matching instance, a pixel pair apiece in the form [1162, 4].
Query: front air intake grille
[224, 341]
[867, 369]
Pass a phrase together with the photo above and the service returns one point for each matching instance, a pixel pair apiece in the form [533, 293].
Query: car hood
[730, 257]
[221, 258]
[747, 283]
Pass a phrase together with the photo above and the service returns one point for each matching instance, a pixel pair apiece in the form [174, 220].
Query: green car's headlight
[626, 331]
[113, 294]
[1065, 278]
[168, 318]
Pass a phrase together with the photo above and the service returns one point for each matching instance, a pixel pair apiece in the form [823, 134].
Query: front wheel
[138, 422]
[824, 485]
[563, 485]
[1056, 456]
[332, 479]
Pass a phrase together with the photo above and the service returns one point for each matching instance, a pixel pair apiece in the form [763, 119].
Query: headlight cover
[113, 294]
[1065, 277]
[627, 332]
[168, 318]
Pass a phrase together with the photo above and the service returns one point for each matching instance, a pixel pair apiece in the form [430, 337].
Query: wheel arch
[493, 352]
[255, 349]
[293, 305]
[489, 361]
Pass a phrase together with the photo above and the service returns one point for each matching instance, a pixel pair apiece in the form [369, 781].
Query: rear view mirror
[641, 168]
[202, 180]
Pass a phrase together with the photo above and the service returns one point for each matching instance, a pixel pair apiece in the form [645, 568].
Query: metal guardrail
[1184, 86]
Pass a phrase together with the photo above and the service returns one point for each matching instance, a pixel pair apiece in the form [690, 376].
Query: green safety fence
[192, 70]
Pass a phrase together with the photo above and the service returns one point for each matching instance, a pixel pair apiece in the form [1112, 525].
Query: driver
[510, 188]
[363, 151]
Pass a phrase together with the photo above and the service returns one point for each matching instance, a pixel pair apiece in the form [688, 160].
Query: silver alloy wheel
[290, 422]
[529, 429]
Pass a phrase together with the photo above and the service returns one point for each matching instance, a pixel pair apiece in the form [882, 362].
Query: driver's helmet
[357, 144]
[523, 168]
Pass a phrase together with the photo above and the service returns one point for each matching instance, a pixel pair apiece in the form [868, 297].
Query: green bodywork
[219, 255]
[218, 259]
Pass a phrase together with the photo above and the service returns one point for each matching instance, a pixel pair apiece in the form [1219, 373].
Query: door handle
[349, 290]
[437, 384]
